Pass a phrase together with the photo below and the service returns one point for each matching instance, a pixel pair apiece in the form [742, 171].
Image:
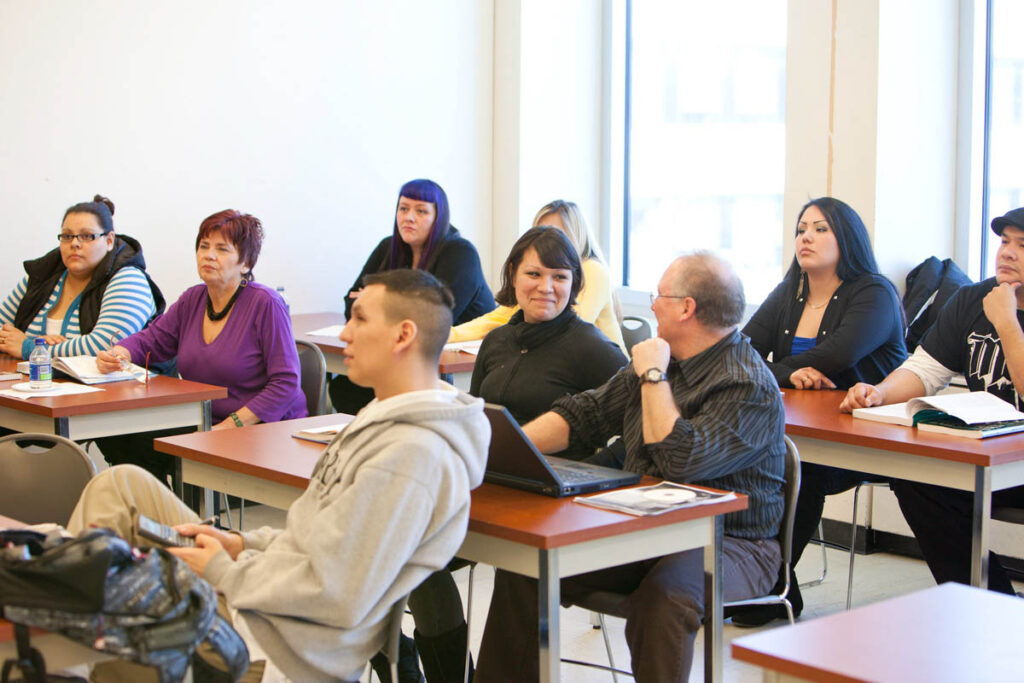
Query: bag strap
[226, 642]
[30, 662]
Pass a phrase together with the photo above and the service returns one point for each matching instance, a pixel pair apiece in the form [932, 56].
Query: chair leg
[469, 614]
[853, 545]
[607, 646]
[227, 509]
[596, 621]
[824, 560]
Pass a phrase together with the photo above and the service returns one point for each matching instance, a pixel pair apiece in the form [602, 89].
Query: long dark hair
[421, 190]
[855, 255]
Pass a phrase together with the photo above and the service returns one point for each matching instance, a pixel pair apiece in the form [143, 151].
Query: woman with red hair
[229, 331]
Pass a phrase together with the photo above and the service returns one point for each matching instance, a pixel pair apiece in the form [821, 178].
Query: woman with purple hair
[422, 238]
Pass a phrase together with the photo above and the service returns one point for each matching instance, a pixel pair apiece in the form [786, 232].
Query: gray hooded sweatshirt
[387, 505]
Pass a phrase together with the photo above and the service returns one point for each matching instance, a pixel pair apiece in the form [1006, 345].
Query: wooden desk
[120, 408]
[545, 538]
[58, 651]
[828, 437]
[455, 363]
[946, 634]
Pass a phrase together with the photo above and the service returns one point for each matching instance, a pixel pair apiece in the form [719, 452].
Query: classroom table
[58, 652]
[945, 634]
[526, 533]
[120, 408]
[828, 437]
[456, 363]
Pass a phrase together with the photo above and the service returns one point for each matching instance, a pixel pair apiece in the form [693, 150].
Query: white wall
[309, 115]
[548, 113]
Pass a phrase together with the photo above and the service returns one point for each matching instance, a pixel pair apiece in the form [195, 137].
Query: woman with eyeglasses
[79, 297]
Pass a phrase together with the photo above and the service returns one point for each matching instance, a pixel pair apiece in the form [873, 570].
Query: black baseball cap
[1014, 218]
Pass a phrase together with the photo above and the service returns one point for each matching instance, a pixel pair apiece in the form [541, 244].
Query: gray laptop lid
[513, 460]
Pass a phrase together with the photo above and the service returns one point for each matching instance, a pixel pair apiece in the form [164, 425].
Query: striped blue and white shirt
[126, 307]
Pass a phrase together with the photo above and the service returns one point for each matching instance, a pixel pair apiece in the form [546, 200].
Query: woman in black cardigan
[422, 238]
[833, 321]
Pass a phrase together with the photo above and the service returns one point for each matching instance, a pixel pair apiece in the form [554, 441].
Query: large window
[706, 136]
[1005, 111]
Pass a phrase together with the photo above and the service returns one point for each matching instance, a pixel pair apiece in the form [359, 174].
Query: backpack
[929, 286]
[148, 607]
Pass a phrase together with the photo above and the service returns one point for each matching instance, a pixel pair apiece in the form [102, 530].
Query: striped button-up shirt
[729, 435]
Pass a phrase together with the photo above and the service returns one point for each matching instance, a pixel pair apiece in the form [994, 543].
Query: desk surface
[269, 452]
[452, 362]
[114, 396]
[948, 633]
[815, 415]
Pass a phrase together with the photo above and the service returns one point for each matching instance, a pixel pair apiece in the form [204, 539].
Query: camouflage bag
[144, 606]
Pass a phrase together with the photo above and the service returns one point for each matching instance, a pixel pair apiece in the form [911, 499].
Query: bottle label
[40, 372]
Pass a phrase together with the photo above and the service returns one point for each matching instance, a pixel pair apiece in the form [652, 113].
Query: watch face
[654, 375]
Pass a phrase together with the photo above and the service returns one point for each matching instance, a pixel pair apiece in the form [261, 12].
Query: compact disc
[670, 495]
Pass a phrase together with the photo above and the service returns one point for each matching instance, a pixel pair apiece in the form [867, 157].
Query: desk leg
[980, 526]
[61, 427]
[548, 598]
[713, 605]
[206, 416]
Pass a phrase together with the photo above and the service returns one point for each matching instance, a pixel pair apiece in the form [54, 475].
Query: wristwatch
[653, 376]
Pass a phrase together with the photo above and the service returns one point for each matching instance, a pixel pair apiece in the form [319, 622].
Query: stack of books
[975, 415]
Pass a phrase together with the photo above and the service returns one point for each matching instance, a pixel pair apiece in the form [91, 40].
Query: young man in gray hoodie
[387, 503]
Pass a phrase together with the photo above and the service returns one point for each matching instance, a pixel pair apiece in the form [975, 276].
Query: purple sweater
[254, 355]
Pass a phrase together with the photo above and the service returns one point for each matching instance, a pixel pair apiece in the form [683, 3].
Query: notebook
[513, 460]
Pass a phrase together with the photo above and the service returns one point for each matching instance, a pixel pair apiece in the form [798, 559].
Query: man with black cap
[979, 333]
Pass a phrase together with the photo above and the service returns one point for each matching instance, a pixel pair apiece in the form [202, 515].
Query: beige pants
[107, 501]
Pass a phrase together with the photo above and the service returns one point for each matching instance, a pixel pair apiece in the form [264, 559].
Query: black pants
[346, 396]
[137, 449]
[941, 520]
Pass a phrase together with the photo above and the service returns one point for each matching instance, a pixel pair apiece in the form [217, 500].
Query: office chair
[635, 329]
[42, 483]
[313, 377]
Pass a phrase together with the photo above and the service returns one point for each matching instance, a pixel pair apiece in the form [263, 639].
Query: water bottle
[280, 292]
[40, 374]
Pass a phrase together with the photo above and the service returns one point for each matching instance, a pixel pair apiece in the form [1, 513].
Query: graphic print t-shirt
[964, 341]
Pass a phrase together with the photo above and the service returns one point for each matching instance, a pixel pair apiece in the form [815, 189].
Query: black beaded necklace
[214, 316]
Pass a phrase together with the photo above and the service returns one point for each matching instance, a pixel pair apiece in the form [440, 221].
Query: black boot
[444, 656]
[408, 663]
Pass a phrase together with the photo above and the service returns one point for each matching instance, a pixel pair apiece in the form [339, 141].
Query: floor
[878, 576]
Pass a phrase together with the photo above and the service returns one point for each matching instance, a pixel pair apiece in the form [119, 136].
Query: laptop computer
[513, 460]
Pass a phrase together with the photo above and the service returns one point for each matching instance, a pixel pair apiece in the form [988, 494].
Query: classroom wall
[309, 115]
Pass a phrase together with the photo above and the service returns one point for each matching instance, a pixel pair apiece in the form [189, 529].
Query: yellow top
[593, 304]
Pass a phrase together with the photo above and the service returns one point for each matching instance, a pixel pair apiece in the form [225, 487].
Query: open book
[653, 500]
[83, 369]
[976, 414]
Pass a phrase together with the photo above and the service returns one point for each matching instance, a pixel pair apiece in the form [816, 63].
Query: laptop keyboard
[572, 475]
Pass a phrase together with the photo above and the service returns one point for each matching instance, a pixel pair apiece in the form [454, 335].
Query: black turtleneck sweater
[526, 367]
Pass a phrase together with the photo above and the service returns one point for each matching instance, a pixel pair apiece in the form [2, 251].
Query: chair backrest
[313, 377]
[790, 492]
[635, 329]
[42, 477]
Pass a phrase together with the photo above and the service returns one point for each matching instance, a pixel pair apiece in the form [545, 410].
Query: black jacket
[525, 367]
[929, 287]
[44, 272]
[860, 338]
[455, 263]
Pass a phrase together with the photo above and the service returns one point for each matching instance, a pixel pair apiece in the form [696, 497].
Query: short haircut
[245, 232]
[714, 286]
[418, 296]
[420, 190]
[100, 207]
[575, 225]
[855, 255]
[554, 250]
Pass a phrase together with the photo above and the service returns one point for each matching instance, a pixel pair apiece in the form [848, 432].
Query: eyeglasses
[84, 238]
[655, 296]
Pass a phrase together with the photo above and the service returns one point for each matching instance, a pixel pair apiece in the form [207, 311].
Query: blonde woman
[594, 304]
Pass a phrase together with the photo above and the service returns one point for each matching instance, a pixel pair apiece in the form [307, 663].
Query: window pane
[707, 138]
[1006, 137]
